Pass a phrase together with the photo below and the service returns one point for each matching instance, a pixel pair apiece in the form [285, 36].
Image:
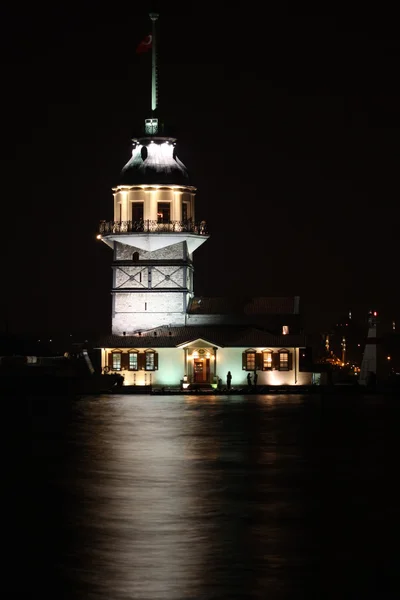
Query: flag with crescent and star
[145, 44]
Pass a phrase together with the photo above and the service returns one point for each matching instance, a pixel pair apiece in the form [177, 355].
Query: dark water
[175, 498]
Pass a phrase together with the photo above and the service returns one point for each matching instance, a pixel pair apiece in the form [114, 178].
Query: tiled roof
[261, 305]
[220, 335]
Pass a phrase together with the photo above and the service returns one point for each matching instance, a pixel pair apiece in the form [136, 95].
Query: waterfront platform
[259, 390]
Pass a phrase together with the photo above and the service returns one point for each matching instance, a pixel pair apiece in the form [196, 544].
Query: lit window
[284, 361]
[267, 361]
[116, 361]
[133, 361]
[250, 361]
[285, 330]
[150, 362]
[163, 212]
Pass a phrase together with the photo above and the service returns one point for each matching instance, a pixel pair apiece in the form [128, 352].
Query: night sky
[288, 123]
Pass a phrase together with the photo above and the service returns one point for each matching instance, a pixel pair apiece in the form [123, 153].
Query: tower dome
[154, 161]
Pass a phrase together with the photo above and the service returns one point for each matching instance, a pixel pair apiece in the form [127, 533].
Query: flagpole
[154, 82]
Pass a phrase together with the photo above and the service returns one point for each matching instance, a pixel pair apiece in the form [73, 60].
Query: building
[162, 334]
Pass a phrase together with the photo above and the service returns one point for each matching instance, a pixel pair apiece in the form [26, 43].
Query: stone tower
[154, 231]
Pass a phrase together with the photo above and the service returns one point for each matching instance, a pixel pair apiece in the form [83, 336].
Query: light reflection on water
[174, 498]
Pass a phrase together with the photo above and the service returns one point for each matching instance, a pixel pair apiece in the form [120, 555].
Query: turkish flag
[145, 44]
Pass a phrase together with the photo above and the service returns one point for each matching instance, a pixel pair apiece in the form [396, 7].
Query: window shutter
[125, 361]
[275, 361]
[110, 360]
[155, 361]
[290, 360]
[259, 361]
[244, 361]
[141, 361]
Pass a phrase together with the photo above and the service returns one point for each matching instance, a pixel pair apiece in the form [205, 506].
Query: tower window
[184, 211]
[137, 216]
[163, 212]
[285, 330]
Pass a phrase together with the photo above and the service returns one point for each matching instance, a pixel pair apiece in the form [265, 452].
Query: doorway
[201, 370]
[137, 216]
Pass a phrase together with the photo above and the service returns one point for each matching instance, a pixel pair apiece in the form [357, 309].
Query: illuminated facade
[162, 335]
[177, 357]
[153, 236]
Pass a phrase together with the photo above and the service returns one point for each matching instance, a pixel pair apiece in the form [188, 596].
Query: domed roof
[154, 161]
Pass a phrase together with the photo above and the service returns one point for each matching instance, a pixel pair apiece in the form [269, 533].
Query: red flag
[144, 44]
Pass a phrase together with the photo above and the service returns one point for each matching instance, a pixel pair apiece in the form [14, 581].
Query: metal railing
[150, 226]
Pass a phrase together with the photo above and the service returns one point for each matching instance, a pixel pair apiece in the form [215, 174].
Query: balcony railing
[149, 226]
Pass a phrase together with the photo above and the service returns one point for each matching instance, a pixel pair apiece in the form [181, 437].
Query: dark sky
[287, 121]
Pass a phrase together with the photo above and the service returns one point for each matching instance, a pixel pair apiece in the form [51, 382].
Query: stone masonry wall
[174, 252]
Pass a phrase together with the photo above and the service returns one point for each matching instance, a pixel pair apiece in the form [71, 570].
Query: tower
[343, 344]
[369, 364]
[154, 231]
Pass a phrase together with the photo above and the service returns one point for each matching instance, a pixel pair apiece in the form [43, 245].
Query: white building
[161, 333]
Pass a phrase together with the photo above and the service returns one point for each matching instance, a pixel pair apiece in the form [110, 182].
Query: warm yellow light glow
[388, 358]
[98, 236]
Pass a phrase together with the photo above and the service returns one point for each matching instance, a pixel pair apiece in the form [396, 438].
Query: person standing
[228, 380]
[255, 377]
[249, 380]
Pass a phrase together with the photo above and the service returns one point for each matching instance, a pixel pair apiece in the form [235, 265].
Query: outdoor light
[98, 236]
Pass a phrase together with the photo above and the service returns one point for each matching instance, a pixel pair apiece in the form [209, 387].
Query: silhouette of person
[255, 377]
[249, 379]
[228, 380]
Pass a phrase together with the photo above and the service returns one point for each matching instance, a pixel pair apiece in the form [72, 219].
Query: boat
[70, 374]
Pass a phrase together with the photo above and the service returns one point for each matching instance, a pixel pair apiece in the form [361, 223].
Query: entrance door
[199, 371]
[201, 368]
[137, 216]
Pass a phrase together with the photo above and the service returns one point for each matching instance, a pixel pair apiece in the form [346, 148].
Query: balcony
[149, 226]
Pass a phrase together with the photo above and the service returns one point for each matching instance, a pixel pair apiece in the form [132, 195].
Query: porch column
[186, 360]
[215, 362]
